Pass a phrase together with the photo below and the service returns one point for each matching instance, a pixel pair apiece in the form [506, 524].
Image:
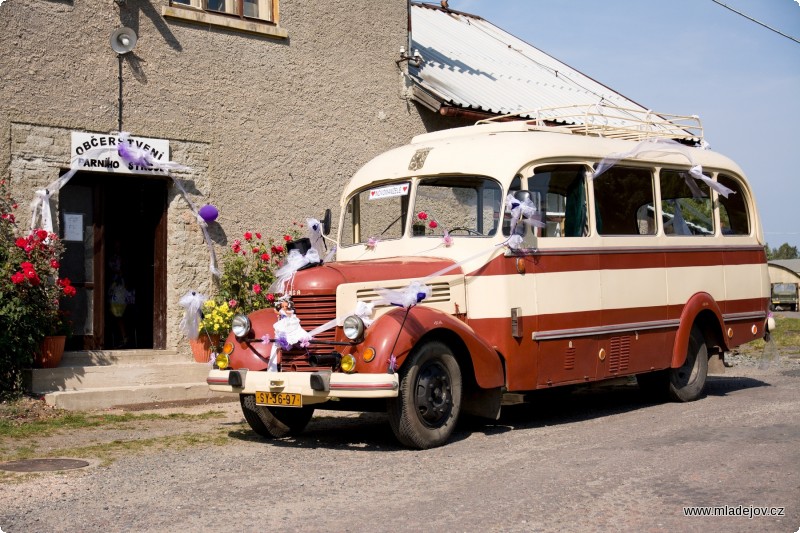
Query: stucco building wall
[271, 128]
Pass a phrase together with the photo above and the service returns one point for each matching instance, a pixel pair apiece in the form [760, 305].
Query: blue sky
[689, 57]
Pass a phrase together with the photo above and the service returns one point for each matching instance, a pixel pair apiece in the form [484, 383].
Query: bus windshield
[462, 205]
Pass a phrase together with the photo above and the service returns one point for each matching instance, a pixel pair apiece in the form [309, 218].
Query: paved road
[595, 460]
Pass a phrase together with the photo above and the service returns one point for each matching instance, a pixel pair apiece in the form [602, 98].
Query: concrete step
[101, 379]
[107, 397]
[128, 357]
[65, 378]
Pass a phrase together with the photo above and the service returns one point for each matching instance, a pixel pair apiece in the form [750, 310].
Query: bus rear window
[733, 216]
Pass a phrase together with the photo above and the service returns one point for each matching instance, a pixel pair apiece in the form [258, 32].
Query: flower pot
[202, 347]
[417, 230]
[51, 351]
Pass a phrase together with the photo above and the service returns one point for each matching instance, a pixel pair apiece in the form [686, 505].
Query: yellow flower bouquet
[216, 318]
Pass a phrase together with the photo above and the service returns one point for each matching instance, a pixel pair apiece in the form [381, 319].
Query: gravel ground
[596, 459]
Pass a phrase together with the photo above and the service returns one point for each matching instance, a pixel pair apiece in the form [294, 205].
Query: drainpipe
[408, 47]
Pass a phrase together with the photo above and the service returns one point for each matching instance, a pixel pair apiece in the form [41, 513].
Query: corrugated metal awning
[471, 64]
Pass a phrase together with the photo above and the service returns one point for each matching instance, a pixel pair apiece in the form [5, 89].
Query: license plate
[280, 399]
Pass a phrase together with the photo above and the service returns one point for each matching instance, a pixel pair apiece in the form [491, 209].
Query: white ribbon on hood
[294, 262]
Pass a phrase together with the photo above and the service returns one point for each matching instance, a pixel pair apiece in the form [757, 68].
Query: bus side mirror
[326, 222]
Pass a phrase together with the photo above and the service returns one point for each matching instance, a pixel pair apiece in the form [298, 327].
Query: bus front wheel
[426, 409]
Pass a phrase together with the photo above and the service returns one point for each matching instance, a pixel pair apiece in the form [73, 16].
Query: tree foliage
[784, 251]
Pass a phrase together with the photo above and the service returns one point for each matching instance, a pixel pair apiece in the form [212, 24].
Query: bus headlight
[240, 325]
[353, 327]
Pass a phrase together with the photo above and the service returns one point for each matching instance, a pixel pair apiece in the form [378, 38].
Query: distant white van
[543, 254]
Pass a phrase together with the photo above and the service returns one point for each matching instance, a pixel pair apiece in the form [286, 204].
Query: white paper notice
[73, 227]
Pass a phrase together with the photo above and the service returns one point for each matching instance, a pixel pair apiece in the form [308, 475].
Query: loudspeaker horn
[123, 40]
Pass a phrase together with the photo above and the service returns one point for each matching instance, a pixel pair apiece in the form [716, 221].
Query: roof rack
[612, 122]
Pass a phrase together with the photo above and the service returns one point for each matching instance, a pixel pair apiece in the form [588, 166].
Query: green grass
[786, 336]
[14, 425]
[787, 332]
[107, 452]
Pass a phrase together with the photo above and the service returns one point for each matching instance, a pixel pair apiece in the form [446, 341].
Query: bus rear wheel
[426, 410]
[274, 422]
[686, 383]
[682, 384]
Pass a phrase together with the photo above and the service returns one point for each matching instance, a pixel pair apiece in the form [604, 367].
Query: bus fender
[701, 303]
[391, 334]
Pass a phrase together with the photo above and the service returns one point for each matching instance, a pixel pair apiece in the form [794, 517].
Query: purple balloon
[209, 213]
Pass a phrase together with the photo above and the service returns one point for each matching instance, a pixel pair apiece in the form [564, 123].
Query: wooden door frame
[99, 292]
[160, 275]
[159, 268]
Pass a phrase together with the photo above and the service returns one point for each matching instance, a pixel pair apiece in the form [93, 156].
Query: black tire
[274, 422]
[426, 410]
[687, 382]
[683, 384]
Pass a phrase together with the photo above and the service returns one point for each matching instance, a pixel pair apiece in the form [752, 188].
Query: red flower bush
[248, 269]
[30, 290]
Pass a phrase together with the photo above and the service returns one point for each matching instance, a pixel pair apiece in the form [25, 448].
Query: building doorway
[114, 232]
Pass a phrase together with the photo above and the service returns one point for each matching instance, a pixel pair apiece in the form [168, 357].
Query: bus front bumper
[314, 387]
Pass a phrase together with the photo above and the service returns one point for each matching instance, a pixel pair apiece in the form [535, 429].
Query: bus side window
[562, 189]
[685, 204]
[733, 216]
[624, 202]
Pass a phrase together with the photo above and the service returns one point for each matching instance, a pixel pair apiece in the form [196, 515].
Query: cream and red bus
[482, 263]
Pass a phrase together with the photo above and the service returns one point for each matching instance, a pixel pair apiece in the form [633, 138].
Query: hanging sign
[99, 152]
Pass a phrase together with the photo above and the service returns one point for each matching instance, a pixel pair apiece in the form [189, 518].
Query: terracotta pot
[202, 346]
[51, 351]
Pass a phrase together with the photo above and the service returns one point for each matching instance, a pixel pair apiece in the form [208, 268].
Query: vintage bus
[478, 264]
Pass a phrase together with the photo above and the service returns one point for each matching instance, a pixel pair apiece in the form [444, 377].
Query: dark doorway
[114, 233]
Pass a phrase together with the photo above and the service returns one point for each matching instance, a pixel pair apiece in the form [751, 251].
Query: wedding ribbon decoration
[288, 332]
[190, 323]
[661, 147]
[129, 153]
[411, 295]
[41, 200]
[525, 211]
[522, 210]
[41, 203]
[203, 227]
[417, 290]
[363, 310]
[331, 254]
[294, 262]
[447, 240]
[414, 293]
[315, 235]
